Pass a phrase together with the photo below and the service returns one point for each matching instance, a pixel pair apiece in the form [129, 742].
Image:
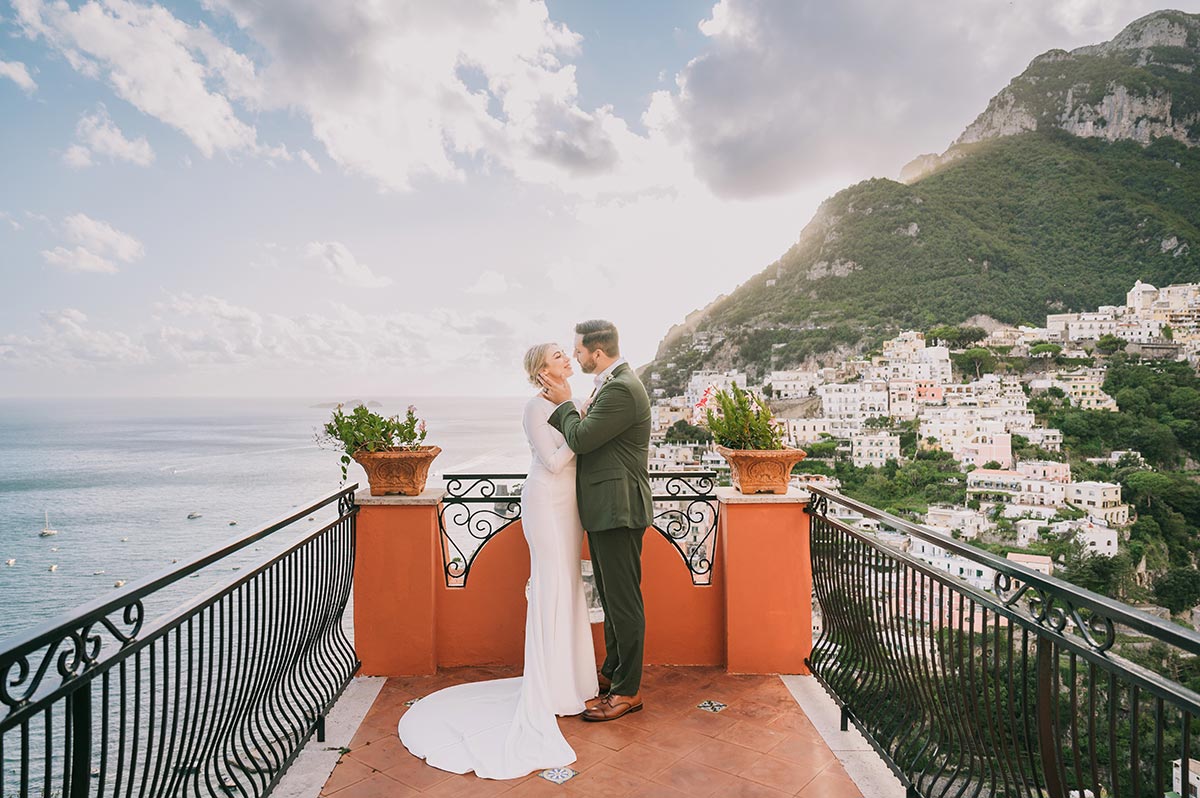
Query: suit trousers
[617, 567]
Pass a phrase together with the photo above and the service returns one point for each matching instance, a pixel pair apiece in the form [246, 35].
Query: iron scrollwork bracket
[346, 503]
[689, 521]
[482, 506]
[74, 652]
[1053, 612]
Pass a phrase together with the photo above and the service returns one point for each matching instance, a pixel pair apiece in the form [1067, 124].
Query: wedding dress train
[506, 728]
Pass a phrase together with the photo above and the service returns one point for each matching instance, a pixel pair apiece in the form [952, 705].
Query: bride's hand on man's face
[555, 389]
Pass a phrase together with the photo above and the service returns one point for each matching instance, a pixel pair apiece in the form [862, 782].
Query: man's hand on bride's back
[556, 390]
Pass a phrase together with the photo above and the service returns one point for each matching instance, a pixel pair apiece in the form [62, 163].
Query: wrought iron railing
[1030, 690]
[477, 507]
[216, 697]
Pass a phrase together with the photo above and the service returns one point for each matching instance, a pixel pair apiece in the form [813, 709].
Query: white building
[675, 456]
[701, 381]
[1029, 531]
[994, 482]
[967, 522]
[856, 401]
[974, 436]
[986, 448]
[1115, 456]
[907, 357]
[1098, 538]
[902, 398]
[1036, 562]
[977, 574]
[664, 413]
[1193, 785]
[792, 384]
[1084, 387]
[874, 448]
[1101, 500]
[798, 431]
[1047, 438]
[1047, 470]
[1040, 512]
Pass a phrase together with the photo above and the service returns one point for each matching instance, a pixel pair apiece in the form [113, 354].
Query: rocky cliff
[1139, 86]
[1080, 177]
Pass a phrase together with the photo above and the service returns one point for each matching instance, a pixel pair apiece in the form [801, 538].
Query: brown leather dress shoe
[613, 707]
[592, 702]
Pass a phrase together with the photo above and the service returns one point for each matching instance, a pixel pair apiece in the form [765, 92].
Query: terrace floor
[760, 744]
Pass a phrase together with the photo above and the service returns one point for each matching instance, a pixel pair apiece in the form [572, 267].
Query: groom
[612, 442]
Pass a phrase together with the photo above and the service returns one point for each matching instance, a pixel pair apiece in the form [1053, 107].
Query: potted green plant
[389, 448]
[747, 436]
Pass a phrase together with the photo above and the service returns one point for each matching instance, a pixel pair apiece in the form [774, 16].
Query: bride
[507, 728]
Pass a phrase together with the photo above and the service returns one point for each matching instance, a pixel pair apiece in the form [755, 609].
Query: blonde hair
[536, 359]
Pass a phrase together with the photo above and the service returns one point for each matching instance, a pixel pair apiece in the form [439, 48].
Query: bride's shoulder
[538, 405]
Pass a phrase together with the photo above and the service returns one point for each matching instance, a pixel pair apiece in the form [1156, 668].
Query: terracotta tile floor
[761, 744]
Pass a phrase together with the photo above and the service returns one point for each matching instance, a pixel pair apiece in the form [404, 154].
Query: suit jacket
[613, 447]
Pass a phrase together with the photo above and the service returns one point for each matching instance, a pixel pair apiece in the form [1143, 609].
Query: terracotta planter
[397, 471]
[761, 470]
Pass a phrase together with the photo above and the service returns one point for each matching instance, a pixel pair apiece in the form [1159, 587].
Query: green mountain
[1081, 177]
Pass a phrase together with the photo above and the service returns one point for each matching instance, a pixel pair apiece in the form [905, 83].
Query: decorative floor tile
[711, 706]
[559, 775]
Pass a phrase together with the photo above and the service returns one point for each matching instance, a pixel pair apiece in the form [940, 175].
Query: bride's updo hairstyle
[536, 359]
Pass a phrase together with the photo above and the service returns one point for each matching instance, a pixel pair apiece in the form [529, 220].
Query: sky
[397, 198]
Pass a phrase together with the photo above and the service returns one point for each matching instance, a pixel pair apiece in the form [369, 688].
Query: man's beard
[588, 366]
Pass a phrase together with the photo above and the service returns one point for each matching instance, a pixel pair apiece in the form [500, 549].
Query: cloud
[397, 92]
[310, 161]
[209, 338]
[196, 330]
[787, 93]
[79, 259]
[13, 223]
[178, 73]
[343, 266]
[406, 91]
[490, 283]
[67, 340]
[97, 134]
[98, 245]
[103, 237]
[18, 74]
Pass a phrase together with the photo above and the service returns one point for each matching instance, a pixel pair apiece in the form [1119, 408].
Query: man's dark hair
[599, 334]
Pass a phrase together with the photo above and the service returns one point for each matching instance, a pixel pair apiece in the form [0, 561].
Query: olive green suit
[612, 444]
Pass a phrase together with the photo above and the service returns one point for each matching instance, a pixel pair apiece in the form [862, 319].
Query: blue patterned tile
[559, 775]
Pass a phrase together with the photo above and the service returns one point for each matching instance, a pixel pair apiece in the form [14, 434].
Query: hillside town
[855, 410]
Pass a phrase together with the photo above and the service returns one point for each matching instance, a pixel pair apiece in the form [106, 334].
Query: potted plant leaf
[389, 448]
[747, 436]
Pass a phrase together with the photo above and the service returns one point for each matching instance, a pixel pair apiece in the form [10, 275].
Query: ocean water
[118, 478]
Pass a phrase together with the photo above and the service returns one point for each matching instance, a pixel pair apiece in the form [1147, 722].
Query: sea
[118, 478]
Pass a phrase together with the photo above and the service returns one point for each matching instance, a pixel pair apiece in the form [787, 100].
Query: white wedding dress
[506, 728]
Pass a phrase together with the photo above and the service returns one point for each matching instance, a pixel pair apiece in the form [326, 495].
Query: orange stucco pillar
[397, 561]
[768, 581]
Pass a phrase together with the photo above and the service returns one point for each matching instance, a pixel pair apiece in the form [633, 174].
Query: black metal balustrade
[216, 697]
[477, 507]
[1027, 691]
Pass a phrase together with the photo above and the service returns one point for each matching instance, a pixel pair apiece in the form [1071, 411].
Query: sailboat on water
[46, 530]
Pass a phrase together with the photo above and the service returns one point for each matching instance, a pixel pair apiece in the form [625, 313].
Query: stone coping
[793, 496]
[433, 495]
[428, 497]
